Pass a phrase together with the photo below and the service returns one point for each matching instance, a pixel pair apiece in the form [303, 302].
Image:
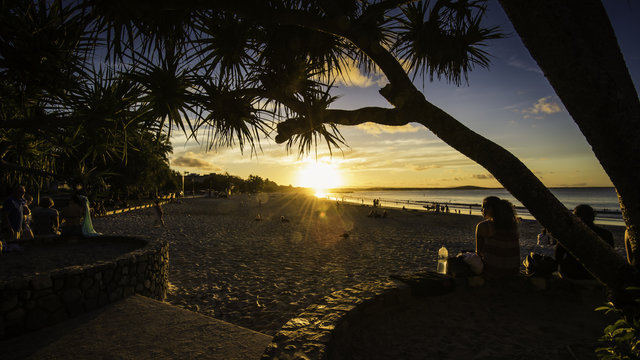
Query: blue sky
[511, 103]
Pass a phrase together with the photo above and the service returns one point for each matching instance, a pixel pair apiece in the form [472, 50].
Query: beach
[226, 264]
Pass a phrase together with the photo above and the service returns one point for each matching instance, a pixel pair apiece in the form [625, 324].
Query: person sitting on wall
[13, 214]
[46, 219]
[498, 238]
[72, 217]
[27, 232]
[569, 266]
[544, 238]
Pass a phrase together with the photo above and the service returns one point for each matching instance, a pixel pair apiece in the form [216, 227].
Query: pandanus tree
[231, 70]
[64, 115]
[40, 57]
[575, 46]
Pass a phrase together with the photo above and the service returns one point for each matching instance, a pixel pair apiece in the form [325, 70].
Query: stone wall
[33, 302]
[322, 330]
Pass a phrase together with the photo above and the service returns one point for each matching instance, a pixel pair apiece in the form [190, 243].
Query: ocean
[604, 200]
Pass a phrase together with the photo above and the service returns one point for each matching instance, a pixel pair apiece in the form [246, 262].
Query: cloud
[423, 167]
[413, 143]
[474, 177]
[193, 161]
[581, 184]
[482, 176]
[543, 106]
[377, 129]
[352, 76]
[416, 159]
[522, 66]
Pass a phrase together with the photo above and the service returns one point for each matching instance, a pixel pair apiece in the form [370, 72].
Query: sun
[320, 176]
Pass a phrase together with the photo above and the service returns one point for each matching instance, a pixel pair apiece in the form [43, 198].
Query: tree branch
[411, 105]
[382, 116]
[378, 9]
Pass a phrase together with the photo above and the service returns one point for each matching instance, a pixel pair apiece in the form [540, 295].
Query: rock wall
[30, 303]
[321, 331]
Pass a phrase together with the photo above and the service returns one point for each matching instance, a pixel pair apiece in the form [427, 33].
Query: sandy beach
[259, 274]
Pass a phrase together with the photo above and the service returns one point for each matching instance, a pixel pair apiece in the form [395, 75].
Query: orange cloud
[352, 76]
[482, 176]
[377, 129]
[543, 106]
[194, 161]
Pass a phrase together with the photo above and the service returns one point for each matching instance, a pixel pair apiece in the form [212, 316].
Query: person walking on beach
[569, 266]
[498, 239]
[159, 214]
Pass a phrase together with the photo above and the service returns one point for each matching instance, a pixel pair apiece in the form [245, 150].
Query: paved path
[138, 328]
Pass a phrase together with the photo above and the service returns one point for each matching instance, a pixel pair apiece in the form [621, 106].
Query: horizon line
[463, 187]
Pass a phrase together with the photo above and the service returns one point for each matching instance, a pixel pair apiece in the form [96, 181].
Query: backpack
[464, 264]
[539, 265]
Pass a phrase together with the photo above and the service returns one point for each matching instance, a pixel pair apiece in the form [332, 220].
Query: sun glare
[319, 176]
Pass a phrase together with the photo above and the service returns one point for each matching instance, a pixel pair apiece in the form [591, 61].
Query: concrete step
[138, 328]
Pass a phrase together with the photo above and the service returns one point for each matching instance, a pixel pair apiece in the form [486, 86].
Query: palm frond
[445, 40]
[317, 130]
[166, 92]
[151, 25]
[225, 43]
[42, 47]
[285, 46]
[232, 117]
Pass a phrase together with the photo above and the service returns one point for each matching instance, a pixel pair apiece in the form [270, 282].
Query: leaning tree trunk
[601, 260]
[574, 44]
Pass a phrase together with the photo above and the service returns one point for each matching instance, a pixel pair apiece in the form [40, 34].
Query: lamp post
[183, 175]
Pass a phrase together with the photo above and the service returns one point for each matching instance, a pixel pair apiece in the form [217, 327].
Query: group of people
[497, 241]
[438, 208]
[375, 214]
[20, 221]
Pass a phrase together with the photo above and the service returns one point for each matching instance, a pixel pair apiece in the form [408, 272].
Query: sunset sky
[511, 103]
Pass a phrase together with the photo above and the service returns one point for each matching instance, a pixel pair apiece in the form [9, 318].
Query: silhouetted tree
[59, 116]
[576, 48]
[242, 67]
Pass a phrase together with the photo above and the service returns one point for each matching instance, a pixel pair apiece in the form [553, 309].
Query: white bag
[474, 261]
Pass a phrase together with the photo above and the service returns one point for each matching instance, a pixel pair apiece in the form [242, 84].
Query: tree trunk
[574, 44]
[601, 260]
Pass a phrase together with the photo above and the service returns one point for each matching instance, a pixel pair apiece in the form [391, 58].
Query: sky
[511, 103]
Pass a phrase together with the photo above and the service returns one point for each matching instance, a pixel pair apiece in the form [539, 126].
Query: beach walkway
[139, 328]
